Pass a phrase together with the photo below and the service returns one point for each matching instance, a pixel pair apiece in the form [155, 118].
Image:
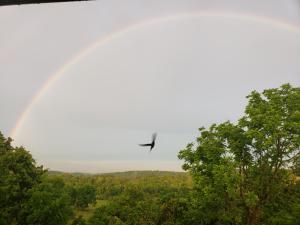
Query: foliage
[136, 197]
[296, 168]
[242, 173]
[78, 221]
[83, 195]
[242, 170]
[136, 205]
[48, 204]
[18, 174]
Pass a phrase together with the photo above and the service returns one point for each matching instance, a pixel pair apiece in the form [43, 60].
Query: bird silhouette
[152, 143]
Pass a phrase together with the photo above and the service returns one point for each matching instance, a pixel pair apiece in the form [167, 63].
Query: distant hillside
[143, 173]
[54, 172]
[127, 174]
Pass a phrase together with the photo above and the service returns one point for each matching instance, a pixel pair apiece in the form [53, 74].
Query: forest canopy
[244, 172]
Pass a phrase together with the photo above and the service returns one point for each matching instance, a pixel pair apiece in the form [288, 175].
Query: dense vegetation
[242, 173]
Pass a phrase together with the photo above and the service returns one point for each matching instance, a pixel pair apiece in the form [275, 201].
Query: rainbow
[295, 28]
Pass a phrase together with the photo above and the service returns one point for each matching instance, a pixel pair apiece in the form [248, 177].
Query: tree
[103, 215]
[242, 170]
[172, 207]
[86, 195]
[49, 203]
[18, 174]
[297, 166]
[83, 195]
[79, 221]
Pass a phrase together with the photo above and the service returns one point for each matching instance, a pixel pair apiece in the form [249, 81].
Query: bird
[152, 143]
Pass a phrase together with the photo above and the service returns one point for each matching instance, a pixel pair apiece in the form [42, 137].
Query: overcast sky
[170, 67]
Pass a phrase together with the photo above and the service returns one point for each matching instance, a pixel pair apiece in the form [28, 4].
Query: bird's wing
[154, 137]
[145, 144]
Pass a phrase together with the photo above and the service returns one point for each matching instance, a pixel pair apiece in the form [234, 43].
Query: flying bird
[152, 143]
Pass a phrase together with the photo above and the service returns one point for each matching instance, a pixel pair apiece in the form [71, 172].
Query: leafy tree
[104, 214]
[297, 166]
[289, 211]
[83, 195]
[241, 171]
[139, 205]
[48, 204]
[78, 221]
[86, 195]
[173, 206]
[18, 174]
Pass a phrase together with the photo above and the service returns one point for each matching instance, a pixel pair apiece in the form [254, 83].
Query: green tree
[297, 166]
[83, 195]
[49, 203]
[18, 174]
[86, 195]
[79, 221]
[241, 171]
[104, 214]
[173, 206]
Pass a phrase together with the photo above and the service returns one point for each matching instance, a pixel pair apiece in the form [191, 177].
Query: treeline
[31, 195]
[238, 173]
[144, 197]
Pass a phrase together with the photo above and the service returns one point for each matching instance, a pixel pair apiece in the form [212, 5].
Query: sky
[82, 84]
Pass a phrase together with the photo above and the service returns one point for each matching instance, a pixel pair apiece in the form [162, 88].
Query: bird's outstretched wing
[144, 144]
[154, 137]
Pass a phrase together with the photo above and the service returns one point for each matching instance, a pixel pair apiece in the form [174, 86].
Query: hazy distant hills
[127, 174]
